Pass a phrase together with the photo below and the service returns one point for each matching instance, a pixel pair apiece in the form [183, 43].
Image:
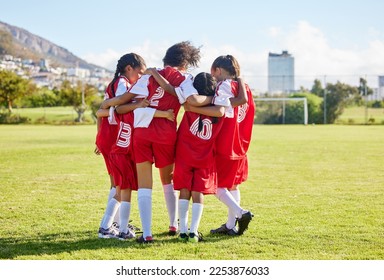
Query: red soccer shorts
[203, 180]
[124, 171]
[231, 172]
[161, 154]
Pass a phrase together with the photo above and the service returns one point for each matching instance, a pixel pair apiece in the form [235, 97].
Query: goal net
[281, 110]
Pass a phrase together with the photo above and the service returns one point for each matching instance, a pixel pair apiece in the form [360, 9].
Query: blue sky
[340, 40]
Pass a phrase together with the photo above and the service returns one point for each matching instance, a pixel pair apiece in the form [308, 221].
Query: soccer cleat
[116, 225]
[183, 237]
[124, 236]
[193, 238]
[172, 231]
[244, 221]
[133, 228]
[108, 233]
[143, 240]
[224, 230]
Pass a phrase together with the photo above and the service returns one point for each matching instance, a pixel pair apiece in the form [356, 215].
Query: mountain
[22, 43]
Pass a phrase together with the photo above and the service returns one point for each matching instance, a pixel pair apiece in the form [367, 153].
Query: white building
[281, 73]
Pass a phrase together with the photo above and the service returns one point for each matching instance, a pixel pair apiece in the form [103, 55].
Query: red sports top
[235, 136]
[123, 140]
[194, 147]
[106, 135]
[160, 130]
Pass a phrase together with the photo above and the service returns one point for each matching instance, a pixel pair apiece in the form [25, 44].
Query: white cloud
[315, 57]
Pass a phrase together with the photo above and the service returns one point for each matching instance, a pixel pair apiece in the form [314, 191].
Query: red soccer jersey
[123, 140]
[235, 136]
[160, 130]
[194, 147]
[106, 135]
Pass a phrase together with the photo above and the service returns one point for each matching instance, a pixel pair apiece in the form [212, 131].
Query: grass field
[66, 115]
[361, 115]
[53, 115]
[317, 192]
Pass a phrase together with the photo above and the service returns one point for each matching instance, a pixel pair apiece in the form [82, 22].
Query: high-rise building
[281, 73]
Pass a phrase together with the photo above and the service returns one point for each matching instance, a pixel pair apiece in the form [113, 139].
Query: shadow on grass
[52, 244]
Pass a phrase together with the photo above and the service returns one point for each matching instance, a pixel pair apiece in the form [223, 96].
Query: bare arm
[101, 113]
[242, 97]
[199, 100]
[170, 115]
[118, 100]
[125, 108]
[161, 80]
[211, 111]
[98, 124]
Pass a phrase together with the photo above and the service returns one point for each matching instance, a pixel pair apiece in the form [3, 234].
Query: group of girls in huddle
[205, 154]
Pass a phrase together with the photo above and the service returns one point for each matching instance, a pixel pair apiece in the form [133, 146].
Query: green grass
[52, 115]
[361, 115]
[317, 192]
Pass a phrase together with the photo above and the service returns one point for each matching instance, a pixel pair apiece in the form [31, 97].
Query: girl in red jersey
[231, 149]
[123, 166]
[195, 173]
[156, 143]
[129, 68]
[233, 141]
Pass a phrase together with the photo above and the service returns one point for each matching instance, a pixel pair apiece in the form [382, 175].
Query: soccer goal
[283, 102]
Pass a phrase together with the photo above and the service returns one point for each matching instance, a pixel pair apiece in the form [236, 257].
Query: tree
[294, 111]
[42, 97]
[363, 88]
[317, 88]
[80, 96]
[336, 100]
[13, 87]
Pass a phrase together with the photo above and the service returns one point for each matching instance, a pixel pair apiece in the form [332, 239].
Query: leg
[125, 211]
[184, 198]
[197, 212]
[144, 196]
[170, 196]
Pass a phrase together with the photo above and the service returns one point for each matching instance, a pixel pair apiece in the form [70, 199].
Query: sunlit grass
[317, 192]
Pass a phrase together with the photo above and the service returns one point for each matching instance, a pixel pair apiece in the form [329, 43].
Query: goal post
[284, 99]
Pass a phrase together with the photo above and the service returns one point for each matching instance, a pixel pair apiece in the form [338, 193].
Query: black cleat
[224, 230]
[145, 240]
[244, 221]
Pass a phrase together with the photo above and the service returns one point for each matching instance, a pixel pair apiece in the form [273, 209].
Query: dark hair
[182, 55]
[205, 84]
[228, 63]
[132, 59]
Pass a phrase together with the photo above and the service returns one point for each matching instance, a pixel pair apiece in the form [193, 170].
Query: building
[380, 91]
[281, 73]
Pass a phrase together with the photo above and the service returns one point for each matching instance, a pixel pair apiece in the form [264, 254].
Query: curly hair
[182, 54]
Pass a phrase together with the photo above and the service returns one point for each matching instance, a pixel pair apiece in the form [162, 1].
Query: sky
[330, 40]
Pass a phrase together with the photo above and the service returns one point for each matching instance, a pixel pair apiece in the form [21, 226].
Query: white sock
[112, 207]
[171, 201]
[125, 211]
[111, 194]
[225, 196]
[197, 212]
[231, 221]
[144, 199]
[236, 195]
[183, 215]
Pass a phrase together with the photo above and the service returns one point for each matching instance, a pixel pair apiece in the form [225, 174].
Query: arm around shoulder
[242, 97]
